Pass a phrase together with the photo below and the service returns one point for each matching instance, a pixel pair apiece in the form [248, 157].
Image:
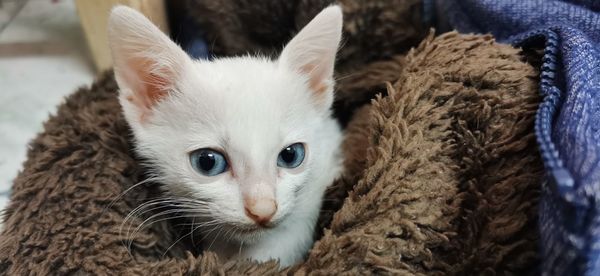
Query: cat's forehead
[243, 101]
[241, 89]
[249, 75]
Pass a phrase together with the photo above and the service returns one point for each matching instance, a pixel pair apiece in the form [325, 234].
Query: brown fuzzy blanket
[442, 177]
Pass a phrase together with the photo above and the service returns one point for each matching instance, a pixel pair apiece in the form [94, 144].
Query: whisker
[190, 233]
[112, 203]
[240, 250]
[192, 230]
[216, 236]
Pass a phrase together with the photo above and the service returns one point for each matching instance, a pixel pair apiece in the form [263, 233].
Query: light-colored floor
[43, 58]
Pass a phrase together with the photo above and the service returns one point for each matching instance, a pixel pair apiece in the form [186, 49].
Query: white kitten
[247, 144]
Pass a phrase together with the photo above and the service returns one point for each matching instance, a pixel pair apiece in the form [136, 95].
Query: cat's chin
[249, 233]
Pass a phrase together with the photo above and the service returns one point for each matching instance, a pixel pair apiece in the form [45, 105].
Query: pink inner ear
[149, 87]
[316, 82]
[154, 89]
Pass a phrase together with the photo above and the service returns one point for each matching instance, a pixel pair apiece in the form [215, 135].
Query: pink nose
[260, 210]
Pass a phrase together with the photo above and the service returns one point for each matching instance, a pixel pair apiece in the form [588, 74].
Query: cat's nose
[260, 210]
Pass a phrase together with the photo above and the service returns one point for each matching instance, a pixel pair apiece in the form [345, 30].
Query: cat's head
[239, 137]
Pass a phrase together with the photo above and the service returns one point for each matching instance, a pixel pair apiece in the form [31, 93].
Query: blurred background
[43, 57]
[48, 49]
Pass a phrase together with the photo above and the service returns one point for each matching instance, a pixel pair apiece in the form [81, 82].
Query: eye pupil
[207, 161]
[288, 154]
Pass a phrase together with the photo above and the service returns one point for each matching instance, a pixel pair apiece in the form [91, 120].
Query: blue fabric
[568, 120]
[191, 38]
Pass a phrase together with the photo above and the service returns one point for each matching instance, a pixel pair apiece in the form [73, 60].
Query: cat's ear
[312, 51]
[147, 63]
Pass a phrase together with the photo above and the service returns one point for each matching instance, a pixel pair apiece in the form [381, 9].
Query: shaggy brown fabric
[451, 176]
[442, 178]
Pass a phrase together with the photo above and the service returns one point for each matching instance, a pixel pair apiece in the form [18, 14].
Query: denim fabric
[568, 119]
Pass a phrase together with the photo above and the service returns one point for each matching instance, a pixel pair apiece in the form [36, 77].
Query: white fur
[249, 108]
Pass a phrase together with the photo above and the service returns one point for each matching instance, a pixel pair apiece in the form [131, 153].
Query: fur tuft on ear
[147, 63]
[312, 51]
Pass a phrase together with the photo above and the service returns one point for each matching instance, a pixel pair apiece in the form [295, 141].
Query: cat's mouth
[259, 226]
[245, 233]
[250, 231]
[254, 227]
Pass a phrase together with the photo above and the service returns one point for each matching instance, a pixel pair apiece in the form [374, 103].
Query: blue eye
[208, 162]
[291, 156]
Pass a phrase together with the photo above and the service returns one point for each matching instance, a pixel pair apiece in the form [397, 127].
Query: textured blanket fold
[567, 120]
